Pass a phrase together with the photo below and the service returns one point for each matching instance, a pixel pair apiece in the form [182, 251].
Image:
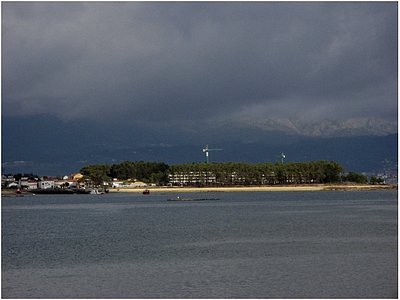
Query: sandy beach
[282, 188]
[291, 188]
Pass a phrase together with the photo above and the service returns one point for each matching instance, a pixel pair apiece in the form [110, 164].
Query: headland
[276, 188]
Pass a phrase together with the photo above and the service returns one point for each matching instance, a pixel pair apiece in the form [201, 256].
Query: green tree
[229, 173]
[376, 180]
[355, 177]
[97, 173]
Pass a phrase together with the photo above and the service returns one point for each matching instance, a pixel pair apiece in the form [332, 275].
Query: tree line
[228, 173]
[234, 173]
[154, 172]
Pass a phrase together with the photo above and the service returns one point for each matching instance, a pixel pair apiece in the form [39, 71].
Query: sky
[173, 72]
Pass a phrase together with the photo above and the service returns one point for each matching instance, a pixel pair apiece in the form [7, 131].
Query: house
[117, 184]
[29, 184]
[13, 184]
[75, 183]
[46, 184]
[77, 176]
[137, 184]
[6, 180]
[122, 184]
[61, 183]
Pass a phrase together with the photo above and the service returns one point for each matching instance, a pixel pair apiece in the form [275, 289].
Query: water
[246, 245]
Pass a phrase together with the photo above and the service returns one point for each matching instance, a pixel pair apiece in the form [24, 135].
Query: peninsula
[282, 188]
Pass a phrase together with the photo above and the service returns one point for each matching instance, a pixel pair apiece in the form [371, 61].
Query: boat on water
[146, 192]
[95, 192]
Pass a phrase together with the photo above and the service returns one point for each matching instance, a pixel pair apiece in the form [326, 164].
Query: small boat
[146, 192]
[96, 192]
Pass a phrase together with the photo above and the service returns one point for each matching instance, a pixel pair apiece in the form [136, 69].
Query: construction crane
[283, 156]
[206, 150]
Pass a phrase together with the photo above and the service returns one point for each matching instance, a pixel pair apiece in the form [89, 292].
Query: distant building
[117, 184]
[29, 184]
[128, 184]
[192, 178]
[77, 176]
[46, 184]
[138, 184]
[6, 180]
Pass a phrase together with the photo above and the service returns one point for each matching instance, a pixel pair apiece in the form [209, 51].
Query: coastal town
[197, 177]
[32, 182]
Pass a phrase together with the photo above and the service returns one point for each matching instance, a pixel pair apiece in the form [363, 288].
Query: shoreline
[238, 189]
[283, 188]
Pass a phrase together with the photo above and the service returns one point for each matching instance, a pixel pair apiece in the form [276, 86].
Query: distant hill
[325, 128]
[43, 146]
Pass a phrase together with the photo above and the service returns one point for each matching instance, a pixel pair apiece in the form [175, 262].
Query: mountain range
[324, 128]
[46, 146]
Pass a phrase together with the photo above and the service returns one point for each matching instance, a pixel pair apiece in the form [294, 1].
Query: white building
[189, 178]
[29, 184]
[46, 184]
[121, 184]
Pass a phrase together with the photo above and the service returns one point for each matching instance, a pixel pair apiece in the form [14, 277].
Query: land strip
[285, 188]
[278, 188]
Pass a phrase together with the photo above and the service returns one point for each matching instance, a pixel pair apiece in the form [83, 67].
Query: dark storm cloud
[168, 64]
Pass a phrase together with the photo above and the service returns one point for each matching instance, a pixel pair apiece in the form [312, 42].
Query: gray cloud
[168, 64]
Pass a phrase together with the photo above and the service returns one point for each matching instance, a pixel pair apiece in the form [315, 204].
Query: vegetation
[143, 171]
[375, 180]
[262, 173]
[97, 173]
[231, 173]
[355, 177]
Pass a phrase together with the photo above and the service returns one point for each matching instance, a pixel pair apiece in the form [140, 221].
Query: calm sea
[245, 245]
